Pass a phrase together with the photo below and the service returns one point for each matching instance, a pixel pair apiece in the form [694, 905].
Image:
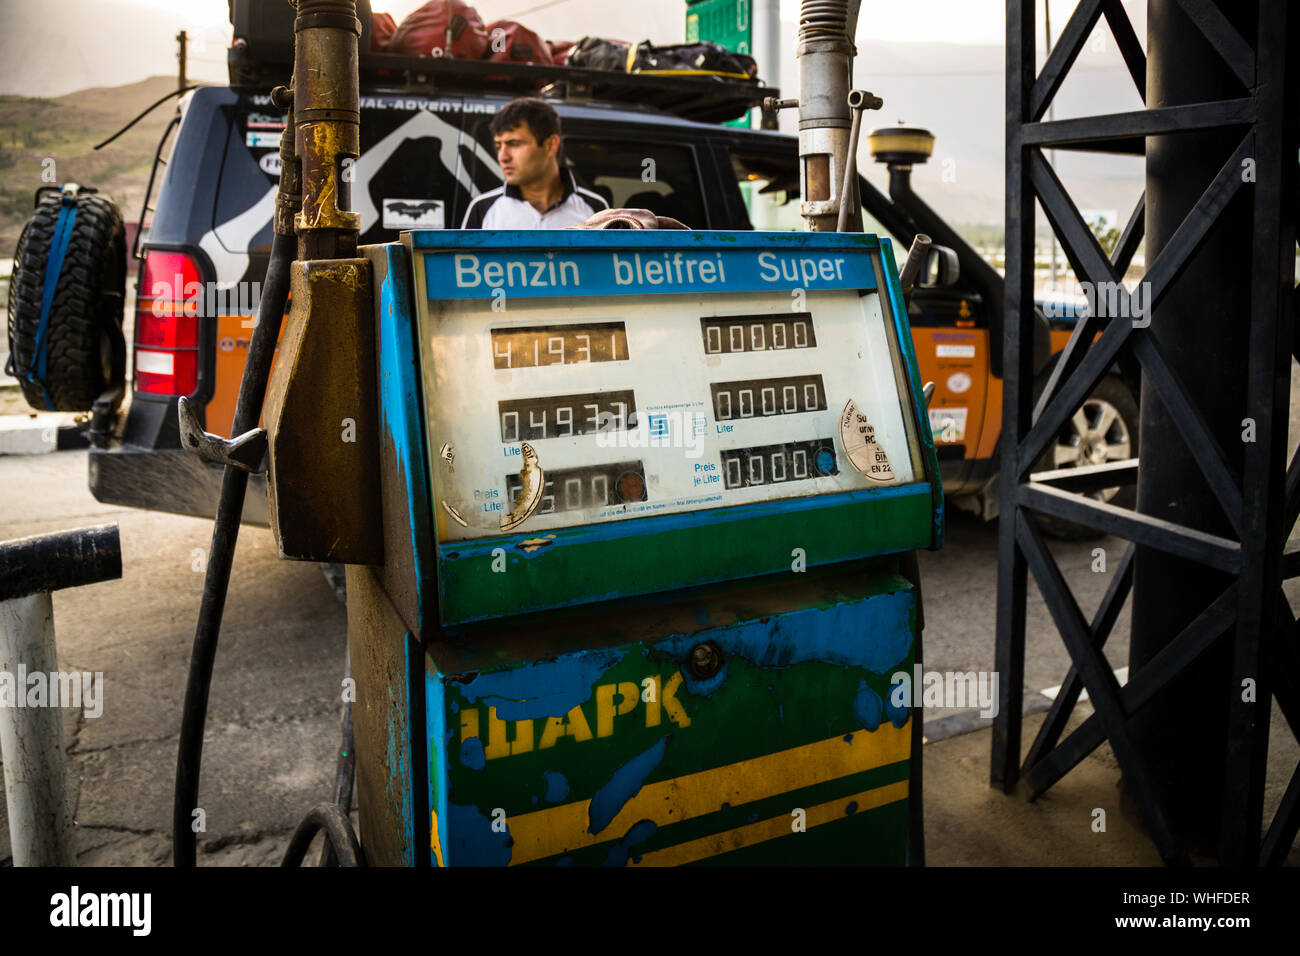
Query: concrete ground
[272, 730]
[967, 823]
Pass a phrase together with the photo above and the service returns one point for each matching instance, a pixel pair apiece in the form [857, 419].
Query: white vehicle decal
[238, 232]
[420, 125]
[414, 214]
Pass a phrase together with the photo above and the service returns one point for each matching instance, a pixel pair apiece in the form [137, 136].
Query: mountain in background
[35, 133]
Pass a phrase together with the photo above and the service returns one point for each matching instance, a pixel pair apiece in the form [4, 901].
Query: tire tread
[88, 297]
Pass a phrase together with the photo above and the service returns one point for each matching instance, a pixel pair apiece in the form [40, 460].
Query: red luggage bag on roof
[382, 28]
[424, 32]
[559, 51]
[511, 42]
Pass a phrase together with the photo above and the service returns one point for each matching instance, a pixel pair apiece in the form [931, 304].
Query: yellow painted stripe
[563, 829]
[778, 826]
[434, 842]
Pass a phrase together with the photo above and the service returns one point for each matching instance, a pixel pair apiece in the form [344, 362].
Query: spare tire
[84, 349]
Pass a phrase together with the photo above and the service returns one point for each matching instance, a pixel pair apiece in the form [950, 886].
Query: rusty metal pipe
[327, 126]
[825, 53]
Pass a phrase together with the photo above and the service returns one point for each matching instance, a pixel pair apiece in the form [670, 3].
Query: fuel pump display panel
[676, 423]
[595, 396]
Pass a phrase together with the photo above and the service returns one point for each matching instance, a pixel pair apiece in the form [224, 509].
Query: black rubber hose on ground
[346, 772]
[339, 836]
[225, 533]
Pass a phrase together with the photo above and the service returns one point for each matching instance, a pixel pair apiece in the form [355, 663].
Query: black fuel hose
[340, 838]
[147, 110]
[225, 533]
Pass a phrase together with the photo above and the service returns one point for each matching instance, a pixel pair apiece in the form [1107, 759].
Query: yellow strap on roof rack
[732, 76]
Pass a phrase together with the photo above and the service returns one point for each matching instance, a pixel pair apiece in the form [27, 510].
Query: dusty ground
[272, 729]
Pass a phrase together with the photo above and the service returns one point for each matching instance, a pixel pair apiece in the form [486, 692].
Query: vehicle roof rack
[705, 99]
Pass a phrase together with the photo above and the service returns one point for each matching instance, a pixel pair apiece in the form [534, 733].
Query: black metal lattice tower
[1248, 621]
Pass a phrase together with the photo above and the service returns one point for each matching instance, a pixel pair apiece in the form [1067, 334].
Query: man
[536, 193]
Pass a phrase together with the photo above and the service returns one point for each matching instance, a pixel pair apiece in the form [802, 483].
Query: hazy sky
[112, 42]
[954, 21]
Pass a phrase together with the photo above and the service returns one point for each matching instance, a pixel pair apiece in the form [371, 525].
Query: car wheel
[1103, 429]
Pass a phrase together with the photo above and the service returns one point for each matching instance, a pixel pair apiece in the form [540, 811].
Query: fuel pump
[628, 518]
[647, 498]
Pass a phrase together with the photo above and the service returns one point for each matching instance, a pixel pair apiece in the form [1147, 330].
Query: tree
[1108, 236]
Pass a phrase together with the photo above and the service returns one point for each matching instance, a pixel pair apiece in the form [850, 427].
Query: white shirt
[505, 208]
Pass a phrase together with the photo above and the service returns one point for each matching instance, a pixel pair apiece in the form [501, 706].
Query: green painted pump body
[690, 651]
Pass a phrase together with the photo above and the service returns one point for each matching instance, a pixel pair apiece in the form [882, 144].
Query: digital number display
[758, 333]
[774, 464]
[565, 416]
[595, 486]
[542, 345]
[763, 397]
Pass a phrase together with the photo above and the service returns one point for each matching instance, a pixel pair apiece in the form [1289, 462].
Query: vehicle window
[663, 179]
[409, 175]
[769, 184]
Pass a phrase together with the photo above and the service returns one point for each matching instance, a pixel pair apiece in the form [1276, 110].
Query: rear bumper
[171, 480]
[144, 466]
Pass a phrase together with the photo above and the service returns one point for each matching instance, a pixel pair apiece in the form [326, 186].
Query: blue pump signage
[616, 268]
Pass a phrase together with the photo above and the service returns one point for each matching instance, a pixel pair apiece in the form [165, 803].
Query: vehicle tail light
[167, 324]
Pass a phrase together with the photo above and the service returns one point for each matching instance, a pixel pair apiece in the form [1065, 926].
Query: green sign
[726, 23]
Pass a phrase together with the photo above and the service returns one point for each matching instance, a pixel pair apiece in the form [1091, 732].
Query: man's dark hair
[540, 118]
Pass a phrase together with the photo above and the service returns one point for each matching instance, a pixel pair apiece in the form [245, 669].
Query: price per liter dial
[859, 440]
[534, 480]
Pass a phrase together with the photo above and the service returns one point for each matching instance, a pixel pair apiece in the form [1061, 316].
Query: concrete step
[38, 433]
